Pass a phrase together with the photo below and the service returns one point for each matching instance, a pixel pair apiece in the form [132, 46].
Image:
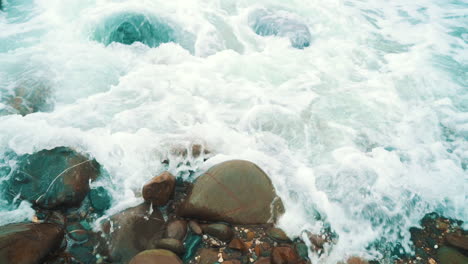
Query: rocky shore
[227, 215]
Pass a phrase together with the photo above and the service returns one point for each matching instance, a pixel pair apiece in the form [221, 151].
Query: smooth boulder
[160, 189]
[235, 191]
[53, 178]
[29, 243]
[133, 230]
[448, 255]
[156, 256]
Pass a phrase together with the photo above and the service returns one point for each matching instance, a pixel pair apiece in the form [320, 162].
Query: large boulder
[448, 255]
[53, 178]
[156, 256]
[235, 191]
[133, 230]
[29, 243]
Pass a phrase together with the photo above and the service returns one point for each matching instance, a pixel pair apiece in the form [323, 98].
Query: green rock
[302, 250]
[77, 232]
[100, 199]
[448, 255]
[278, 234]
[53, 178]
[235, 191]
[192, 244]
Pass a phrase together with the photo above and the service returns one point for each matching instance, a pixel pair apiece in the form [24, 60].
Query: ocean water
[358, 110]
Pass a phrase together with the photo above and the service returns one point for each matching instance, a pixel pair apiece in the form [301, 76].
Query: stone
[53, 178]
[284, 255]
[317, 240]
[456, 240]
[29, 98]
[192, 244]
[250, 235]
[160, 189]
[448, 255]
[263, 261]
[232, 261]
[278, 234]
[156, 256]
[208, 256]
[302, 250]
[235, 191]
[220, 231]
[195, 227]
[77, 232]
[133, 230]
[176, 229]
[356, 260]
[171, 244]
[238, 244]
[100, 199]
[29, 243]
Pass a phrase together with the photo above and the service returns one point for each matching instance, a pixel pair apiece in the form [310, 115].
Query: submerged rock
[29, 243]
[267, 23]
[235, 191]
[448, 255]
[100, 199]
[160, 189]
[53, 178]
[35, 98]
[156, 256]
[133, 230]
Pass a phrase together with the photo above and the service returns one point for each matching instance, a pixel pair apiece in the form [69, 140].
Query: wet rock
[263, 261]
[232, 261]
[159, 190]
[156, 256]
[176, 229]
[278, 234]
[449, 255]
[192, 243]
[53, 178]
[100, 199]
[77, 232]
[317, 240]
[171, 244]
[29, 242]
[238, 244]
[29, 98]
[220, 231]
[133, 230]
[302, 250]
[250, 235]
[208, 256]
[235, 191]
[459, 241]
[195, 227]
[284, 255]
[356, 260]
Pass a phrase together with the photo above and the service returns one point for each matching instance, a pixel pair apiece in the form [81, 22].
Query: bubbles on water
[282, 24]
[128, 28]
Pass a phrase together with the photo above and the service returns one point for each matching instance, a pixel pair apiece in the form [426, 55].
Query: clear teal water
[362, 131]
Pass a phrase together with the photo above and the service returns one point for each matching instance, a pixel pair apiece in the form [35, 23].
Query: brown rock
[459, 241]
[278, 234]
[232, 261]
[238, 244]
[159, 190]
[133, 230]
[171, 244]
[317, 240]
[208, 256]
[258, 250]
[235, 191]
[29, 243]
[156, 256]
[195, 227]
[284, 255]
[263, 261]
[356, 260]
[220, 231]
[250, 235]
[176, 229]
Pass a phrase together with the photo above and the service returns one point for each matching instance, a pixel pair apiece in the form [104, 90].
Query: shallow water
[362, 132]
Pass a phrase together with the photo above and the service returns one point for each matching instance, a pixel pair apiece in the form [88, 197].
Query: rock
[459, 241]
[29, 242]
[278, 234]
[250, 235]
[232, 261]
[235, 191]
[208, 256]
[100, 199]
[77, 232]
[53, 178]
[171, 244]
[159, 190]
[24, 101]
[263, 261]
[133, 230]
[302, 250]
[284, 255]
[156, 256]
[448, 255]
[356, 260]
[176, 229]
[238, 244]
[192, 243]
[317, 240]
[195, 227]
[220, 231]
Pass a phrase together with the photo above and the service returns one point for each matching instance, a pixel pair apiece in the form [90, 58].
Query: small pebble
[436, 246]
[252, 260]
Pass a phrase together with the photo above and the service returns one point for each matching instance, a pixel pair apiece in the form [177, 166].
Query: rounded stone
[278, 234]
[220, 231]
[284, 255]
[100, 199]
[176, 229]
[448, 255]
[156, 256]
[171, 244]
[235, 191]
[195, 227]
[159, 190]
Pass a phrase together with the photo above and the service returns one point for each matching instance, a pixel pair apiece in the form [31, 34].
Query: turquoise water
[362, 125]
